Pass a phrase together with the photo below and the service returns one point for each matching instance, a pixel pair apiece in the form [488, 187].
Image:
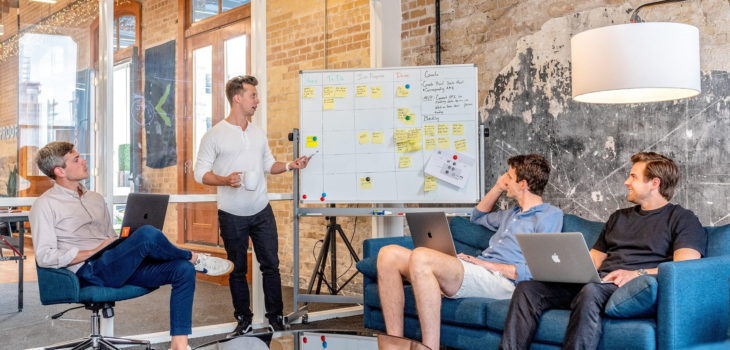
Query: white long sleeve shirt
[225, 149]
[64, 222]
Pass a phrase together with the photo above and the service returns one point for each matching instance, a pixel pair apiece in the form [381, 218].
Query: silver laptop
[431, 230]
[558, 257]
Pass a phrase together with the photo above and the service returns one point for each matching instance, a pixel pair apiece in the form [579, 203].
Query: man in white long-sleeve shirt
[234, 150]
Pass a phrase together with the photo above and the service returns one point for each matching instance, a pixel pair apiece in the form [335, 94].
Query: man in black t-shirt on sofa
[633, 243]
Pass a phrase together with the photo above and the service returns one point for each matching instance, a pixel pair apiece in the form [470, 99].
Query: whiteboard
[373, 132]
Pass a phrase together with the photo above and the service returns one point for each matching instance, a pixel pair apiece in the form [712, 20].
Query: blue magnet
[314, 138]
[408, 86]
[324, 194]
[324, 345]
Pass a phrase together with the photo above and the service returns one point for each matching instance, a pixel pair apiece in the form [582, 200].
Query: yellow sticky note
[376, 92]
[460, 145]
[308, 92]
[402, 147]
[328, 92]
[429, 183]
[414, 145]
[443, 129]
[328, 103]
[457, 129]
[361, 91]
[414, 134]
[401, 91]
[366, 183]
[401, 135]
[443, 142]
[430, 144]
[312, 141]
[404, 162]
[341, 92]
[429, 129]
[406, 116]
[377, 137]
[363, 137]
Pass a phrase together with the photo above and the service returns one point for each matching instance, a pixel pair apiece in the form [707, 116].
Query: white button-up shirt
[64, 222]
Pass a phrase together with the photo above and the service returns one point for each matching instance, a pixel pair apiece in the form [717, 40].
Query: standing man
[493, 274]
[70, 224]
[633, 243]
[232, 153]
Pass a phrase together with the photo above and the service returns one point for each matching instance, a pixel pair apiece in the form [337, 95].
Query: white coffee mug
[250, 180]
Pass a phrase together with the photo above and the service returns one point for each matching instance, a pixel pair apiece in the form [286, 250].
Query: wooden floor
[9, 269]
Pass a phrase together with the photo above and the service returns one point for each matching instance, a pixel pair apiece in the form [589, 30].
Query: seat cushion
[96, 294]
[638, 298]
[470, 312]
[718, 240]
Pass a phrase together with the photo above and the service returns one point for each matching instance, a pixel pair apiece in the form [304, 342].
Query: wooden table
[10, 243]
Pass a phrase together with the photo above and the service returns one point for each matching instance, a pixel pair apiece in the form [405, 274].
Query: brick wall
[303, 35]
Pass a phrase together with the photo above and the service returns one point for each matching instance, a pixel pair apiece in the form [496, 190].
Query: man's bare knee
[392, 256]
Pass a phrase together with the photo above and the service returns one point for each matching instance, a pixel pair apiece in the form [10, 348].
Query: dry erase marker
[312, 155]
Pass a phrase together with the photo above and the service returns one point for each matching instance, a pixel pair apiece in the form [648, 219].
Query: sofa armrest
[370, 247]
[693, 302]
[57, 286]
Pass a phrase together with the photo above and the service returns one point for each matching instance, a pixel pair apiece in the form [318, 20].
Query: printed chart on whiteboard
[398, 135]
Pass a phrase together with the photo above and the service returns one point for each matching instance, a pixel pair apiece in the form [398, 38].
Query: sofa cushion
[589, 229]
[470, 312]
[368, 267]
[718, 240]
[469, 238]
[634, 299]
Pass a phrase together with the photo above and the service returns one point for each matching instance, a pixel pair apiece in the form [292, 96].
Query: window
[126, 32]
[203, 9]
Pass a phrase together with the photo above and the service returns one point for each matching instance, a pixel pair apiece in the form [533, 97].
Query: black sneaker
[243, 327]
[276, 323]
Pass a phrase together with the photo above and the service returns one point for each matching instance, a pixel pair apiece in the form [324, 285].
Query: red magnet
[455, 157]
[304, 196]
[321, 199]
[323, 338]
[304, 340]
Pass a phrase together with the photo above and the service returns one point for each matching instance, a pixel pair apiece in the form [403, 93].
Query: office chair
[61, 286]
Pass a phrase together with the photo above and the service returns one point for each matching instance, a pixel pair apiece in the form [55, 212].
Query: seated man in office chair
[493, 274]
[71, 223]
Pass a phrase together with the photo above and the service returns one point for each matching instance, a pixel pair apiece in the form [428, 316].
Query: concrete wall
[522, 49]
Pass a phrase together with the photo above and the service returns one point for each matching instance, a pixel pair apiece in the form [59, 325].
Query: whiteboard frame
[478, 131]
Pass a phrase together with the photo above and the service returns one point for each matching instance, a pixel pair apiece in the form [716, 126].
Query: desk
[10, 243]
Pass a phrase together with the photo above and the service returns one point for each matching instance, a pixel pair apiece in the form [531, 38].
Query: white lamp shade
[637, 62]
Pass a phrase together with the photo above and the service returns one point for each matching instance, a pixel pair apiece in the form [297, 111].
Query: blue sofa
[692, 299]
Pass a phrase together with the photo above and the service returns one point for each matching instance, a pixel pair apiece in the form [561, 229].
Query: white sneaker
[212, 266]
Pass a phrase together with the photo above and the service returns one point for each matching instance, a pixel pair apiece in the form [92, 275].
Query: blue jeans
[235, 231]
[147, 259]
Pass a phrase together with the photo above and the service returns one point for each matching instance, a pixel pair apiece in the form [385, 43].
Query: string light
[74, 15]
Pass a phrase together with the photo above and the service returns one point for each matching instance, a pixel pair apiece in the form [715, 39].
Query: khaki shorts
[482, 283]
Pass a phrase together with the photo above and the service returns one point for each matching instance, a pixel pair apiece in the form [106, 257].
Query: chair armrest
[693, 302]
[57, 286]
[370, 247]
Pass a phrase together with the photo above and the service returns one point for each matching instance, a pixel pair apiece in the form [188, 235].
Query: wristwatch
[641, 272]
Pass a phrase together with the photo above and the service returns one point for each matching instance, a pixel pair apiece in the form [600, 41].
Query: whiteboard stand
[329, 247]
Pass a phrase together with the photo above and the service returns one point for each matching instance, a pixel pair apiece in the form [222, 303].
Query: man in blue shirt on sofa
[633, 242]
[493, 274]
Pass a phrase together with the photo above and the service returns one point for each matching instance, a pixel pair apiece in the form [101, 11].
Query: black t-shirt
[642, 239]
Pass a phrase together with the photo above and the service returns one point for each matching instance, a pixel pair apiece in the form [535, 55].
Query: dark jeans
[235, 231]
[148, 259]
[531, 298]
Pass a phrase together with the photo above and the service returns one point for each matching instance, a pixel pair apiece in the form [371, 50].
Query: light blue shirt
[503, 247]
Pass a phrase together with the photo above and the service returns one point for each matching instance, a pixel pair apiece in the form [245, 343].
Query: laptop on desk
[431, 230]
[141, 209]
[558, 257]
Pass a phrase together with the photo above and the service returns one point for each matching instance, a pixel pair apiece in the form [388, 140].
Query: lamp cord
[635, 15]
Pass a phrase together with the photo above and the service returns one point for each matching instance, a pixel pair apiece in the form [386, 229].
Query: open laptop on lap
[141, 209]
[558, 257]
[431, 230]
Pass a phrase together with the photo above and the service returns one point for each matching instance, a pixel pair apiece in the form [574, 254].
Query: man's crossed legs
[432, 275]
